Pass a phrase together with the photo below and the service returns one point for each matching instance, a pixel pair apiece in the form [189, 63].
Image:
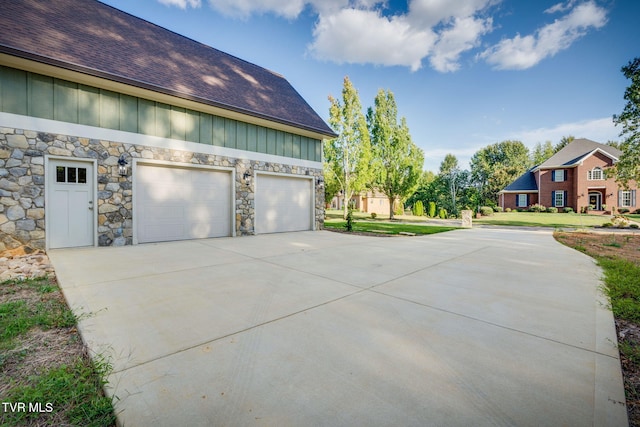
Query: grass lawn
[387, 227]
[43, 362]
[543, 219]
[619, 257]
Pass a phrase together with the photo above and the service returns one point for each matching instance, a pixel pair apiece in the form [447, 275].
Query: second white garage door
[283, 204]
[180, 204]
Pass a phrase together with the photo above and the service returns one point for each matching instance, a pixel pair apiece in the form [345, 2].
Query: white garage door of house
[283, 204]
[179, 204]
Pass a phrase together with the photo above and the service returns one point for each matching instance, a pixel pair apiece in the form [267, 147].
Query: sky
[465, 73]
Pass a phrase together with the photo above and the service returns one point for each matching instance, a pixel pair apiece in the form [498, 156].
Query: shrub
[442, 213]
[567, 210]
[623, 210]
[508, 210]
[637, 211]
[634, 226]
[432, 209]
[607, 225]
[620, 221]
[486, 211]
[349, 224]
[551, 209]
[537, 208]
[418, 208]
[497, 208]
[373, 215]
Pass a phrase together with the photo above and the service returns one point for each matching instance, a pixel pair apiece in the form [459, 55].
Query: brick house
[115, 131]
[574, 177]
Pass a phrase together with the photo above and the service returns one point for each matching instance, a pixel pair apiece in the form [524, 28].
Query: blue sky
[465, 73]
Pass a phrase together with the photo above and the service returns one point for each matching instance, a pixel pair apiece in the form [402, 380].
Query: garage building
[115, 131]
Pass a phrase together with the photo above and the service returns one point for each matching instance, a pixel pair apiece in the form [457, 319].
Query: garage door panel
[178, 204]
[283, 204]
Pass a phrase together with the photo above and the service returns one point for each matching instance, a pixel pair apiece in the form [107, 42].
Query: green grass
[74, 390]
[622, 286]
[388, 227]
[543, 219]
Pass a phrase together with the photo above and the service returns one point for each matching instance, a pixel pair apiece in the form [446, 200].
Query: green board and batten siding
[35, 95]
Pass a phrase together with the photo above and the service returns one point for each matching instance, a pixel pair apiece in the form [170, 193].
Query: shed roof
[96, 39]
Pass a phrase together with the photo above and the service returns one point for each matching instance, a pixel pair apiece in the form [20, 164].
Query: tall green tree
[542, 152]
[397, 161]
[628, 166]
[450, 174]
[564, 141]
[496, 166]
[348, 156]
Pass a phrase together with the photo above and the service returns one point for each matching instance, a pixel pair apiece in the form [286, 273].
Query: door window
[71, 175]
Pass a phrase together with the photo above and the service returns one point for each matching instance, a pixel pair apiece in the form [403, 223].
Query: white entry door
[283, 204]
[178, 203]
[70, 204]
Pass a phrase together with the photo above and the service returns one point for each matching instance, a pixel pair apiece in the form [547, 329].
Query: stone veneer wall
[22, 188]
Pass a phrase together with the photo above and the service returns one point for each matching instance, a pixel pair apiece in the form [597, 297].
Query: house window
[521, 200]
[595, 174]
[558, 175]
[558, 199]
[627, 198]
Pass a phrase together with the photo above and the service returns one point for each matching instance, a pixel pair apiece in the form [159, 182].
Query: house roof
[96, 39]
[524, 183]
[571, 155]
[576, 151]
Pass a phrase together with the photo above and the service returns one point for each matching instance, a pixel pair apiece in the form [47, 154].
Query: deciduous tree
[628, 166]
[348, 156]
[397, 161]
[496, 166]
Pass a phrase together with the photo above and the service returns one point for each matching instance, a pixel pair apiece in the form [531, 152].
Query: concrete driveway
[471, 327]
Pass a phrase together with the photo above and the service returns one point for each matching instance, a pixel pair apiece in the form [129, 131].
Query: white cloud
[365, 36]
[599, 130]
[182, 4]
[464, 34]
[243, 8]
[561, 7]
[519, 53]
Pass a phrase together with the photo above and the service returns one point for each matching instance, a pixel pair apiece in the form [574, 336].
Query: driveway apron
[483, 327]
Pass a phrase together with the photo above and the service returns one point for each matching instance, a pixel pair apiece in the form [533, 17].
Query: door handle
[90, 205]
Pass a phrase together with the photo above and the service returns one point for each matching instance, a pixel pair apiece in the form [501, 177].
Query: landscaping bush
[623, 210]
[432, 209]
[486, 211]
[634, 226]
[567, 210]
[507, 210]
[373, 215]
[497, 208]
[442, 213]
[418, 208]
[607, 225]
[537, 208]
[551, 209]
[349, 224]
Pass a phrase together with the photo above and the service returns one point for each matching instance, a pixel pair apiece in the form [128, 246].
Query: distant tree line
[376, 152]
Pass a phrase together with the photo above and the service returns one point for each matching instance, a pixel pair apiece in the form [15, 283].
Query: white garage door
[179, 204]
[283, 204]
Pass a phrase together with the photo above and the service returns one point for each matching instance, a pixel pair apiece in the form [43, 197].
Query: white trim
[312, 180]
[165, 163]
[73, 129]
[47, 185]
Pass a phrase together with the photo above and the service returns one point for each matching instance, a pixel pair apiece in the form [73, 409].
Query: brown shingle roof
[97, 39]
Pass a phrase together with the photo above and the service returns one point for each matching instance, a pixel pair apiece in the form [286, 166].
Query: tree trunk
[391, 200]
